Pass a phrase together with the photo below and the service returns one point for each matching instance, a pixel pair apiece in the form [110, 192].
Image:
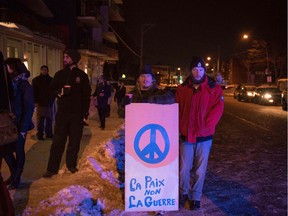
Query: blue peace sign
[148, 154]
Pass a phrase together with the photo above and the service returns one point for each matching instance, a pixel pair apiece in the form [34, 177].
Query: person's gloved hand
[126, 100]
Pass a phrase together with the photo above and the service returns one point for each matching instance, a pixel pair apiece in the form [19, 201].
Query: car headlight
[267, 96]
[250, 94]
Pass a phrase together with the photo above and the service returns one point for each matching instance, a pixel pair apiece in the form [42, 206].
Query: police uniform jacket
[78, 100]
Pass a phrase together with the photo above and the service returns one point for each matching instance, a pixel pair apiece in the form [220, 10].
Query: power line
[124, 41]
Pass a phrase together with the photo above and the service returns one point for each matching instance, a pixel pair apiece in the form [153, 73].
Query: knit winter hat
[146, 70]
[74, 55]
[197, 62]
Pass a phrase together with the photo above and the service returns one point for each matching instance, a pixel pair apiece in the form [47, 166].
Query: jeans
[193, 165]
[18, 161]
[44, 121]
[102, 116]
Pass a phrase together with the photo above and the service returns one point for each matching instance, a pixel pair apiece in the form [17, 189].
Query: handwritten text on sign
[151, 157]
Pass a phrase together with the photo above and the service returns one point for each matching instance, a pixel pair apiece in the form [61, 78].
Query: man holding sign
[201, 105]
[146, 90]
[151, 147]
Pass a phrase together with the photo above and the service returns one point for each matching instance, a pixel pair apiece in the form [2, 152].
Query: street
[247, 170]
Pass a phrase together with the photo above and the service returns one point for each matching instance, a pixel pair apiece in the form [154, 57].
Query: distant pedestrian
[201, 106]
[102, 94]
[218, 78]
[72, 88]
[119, 95]
[23, 108]
[44, 103]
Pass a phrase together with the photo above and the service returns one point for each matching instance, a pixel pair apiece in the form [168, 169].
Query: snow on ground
[79, 200]
[73, 200]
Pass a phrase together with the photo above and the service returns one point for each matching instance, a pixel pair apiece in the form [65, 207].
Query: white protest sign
[151, 157]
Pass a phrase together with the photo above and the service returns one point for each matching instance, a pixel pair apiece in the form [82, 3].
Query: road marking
[254, 124]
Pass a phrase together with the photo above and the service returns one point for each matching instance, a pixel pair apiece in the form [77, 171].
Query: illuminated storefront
[33, 49]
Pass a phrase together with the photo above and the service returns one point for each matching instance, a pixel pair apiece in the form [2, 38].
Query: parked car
[244, 92]
[267, 95]
[226, 84]
[284, 99]
[236, 90]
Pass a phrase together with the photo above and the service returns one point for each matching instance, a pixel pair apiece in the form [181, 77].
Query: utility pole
[148, 26]
[218, 59]
[267, 56]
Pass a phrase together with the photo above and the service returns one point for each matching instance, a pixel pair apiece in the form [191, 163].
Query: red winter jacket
[199, 111]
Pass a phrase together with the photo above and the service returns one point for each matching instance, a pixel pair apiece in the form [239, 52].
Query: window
[13, 48]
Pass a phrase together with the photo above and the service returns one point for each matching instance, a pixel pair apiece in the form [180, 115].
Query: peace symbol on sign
[151, 153]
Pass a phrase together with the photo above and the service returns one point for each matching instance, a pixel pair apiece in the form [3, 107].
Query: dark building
[38, 31]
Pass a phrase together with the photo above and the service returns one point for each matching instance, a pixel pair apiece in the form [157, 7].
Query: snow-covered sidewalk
[94, 190]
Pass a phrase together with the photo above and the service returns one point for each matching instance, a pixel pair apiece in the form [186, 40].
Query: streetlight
[209, 65]
[218, 58]
[263, 45]
[245, 36]
[180, 75]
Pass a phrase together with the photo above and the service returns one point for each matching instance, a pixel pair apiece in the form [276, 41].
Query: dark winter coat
[78, 101]
[102, 92]
[23, 104]
[152, 95]
[41, 85]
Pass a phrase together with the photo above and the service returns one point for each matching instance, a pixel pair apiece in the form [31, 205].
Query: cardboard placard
[151, 157]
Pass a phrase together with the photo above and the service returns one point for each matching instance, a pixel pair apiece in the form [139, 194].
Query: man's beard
[194, 81]
[67, 65]
[145, 88]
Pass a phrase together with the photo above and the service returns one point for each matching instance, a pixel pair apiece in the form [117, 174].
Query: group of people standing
[200, 102]
[70, 87]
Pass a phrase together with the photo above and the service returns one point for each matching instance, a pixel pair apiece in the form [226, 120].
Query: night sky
[183, 28]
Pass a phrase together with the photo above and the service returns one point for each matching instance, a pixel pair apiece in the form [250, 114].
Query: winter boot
[16, 180]
[11, 163]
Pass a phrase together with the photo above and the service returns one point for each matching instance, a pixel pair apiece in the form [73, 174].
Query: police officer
[71, 86]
